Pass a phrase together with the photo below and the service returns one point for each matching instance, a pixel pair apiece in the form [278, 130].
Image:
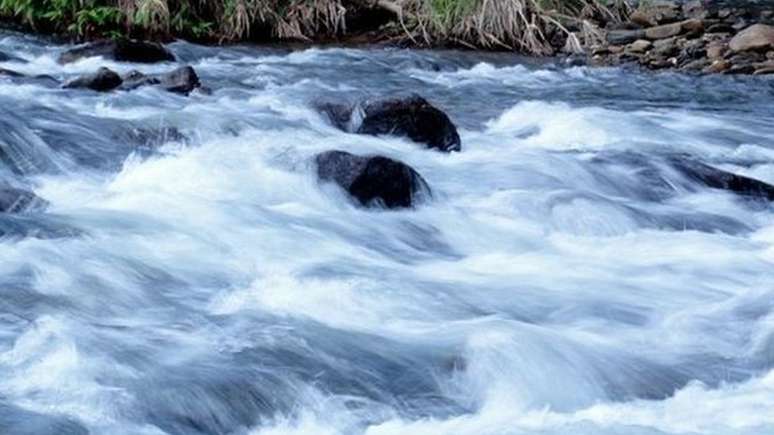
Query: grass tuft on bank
[530, 26]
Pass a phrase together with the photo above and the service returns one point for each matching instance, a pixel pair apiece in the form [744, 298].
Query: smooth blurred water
[562, 280]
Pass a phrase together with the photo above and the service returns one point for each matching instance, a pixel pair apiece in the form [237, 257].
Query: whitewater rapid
[191, 276]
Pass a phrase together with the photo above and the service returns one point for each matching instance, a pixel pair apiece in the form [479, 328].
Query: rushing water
[554, 284]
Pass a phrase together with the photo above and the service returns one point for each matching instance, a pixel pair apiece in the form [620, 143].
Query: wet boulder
[127, 50]
[372, 180]
[719, 179]
[14, 200]
[413, 117]
[183, 80]
[101, 81]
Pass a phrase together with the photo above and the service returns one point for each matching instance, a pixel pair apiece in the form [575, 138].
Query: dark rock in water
[372, 180]
[13, 200]
[5, 57]
[720, 179]
[10, 73]
[339, 114]
[102, 81]
[182, 80]
[123, 51]
[413, 117]
[135, 79]
[151, 137]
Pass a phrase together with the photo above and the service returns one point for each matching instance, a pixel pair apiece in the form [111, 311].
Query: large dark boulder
[412, 117]
[720, 179]
[101, 81]
[120, 50]
[14, 200]
[372, 180]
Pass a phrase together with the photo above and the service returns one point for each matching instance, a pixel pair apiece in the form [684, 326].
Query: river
[190, 275]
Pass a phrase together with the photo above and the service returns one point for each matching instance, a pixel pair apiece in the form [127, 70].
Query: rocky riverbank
[697, 36]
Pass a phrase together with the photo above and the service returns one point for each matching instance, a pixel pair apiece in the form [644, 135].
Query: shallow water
[560, 281]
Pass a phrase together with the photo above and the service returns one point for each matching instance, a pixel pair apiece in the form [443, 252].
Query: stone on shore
[623, 37]
[758, 37]
[639, 46]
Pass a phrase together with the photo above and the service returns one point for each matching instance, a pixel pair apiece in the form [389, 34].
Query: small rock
[413, 117]
[615, 49]
[756, 37]
[372, 180]
[716, 50]
[695, 9]
[740, 69]
[697, 65]
[665, 47]
[770, 55]
[122, 51]
[721, 28]
[639, 46]
[182, 80]
[693, 26]
[623, 37]
[719, 179]
[718, 66]
[135, 79]
[664, 31]
[764, 71]
[655, 13]
[748, 57]
[101, 81]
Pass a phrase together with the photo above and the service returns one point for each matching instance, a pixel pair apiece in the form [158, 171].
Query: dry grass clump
[530, 26]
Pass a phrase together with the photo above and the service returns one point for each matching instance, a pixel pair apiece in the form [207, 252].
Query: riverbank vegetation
[530, 26]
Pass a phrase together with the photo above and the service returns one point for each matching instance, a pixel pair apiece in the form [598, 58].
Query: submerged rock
[10, 73]
[372, 180]
[182, 80]
[720, 179]
[101, 81]
[414, 118]
[122, 51]
[135, 79]
[14, 200]
[5, 57]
